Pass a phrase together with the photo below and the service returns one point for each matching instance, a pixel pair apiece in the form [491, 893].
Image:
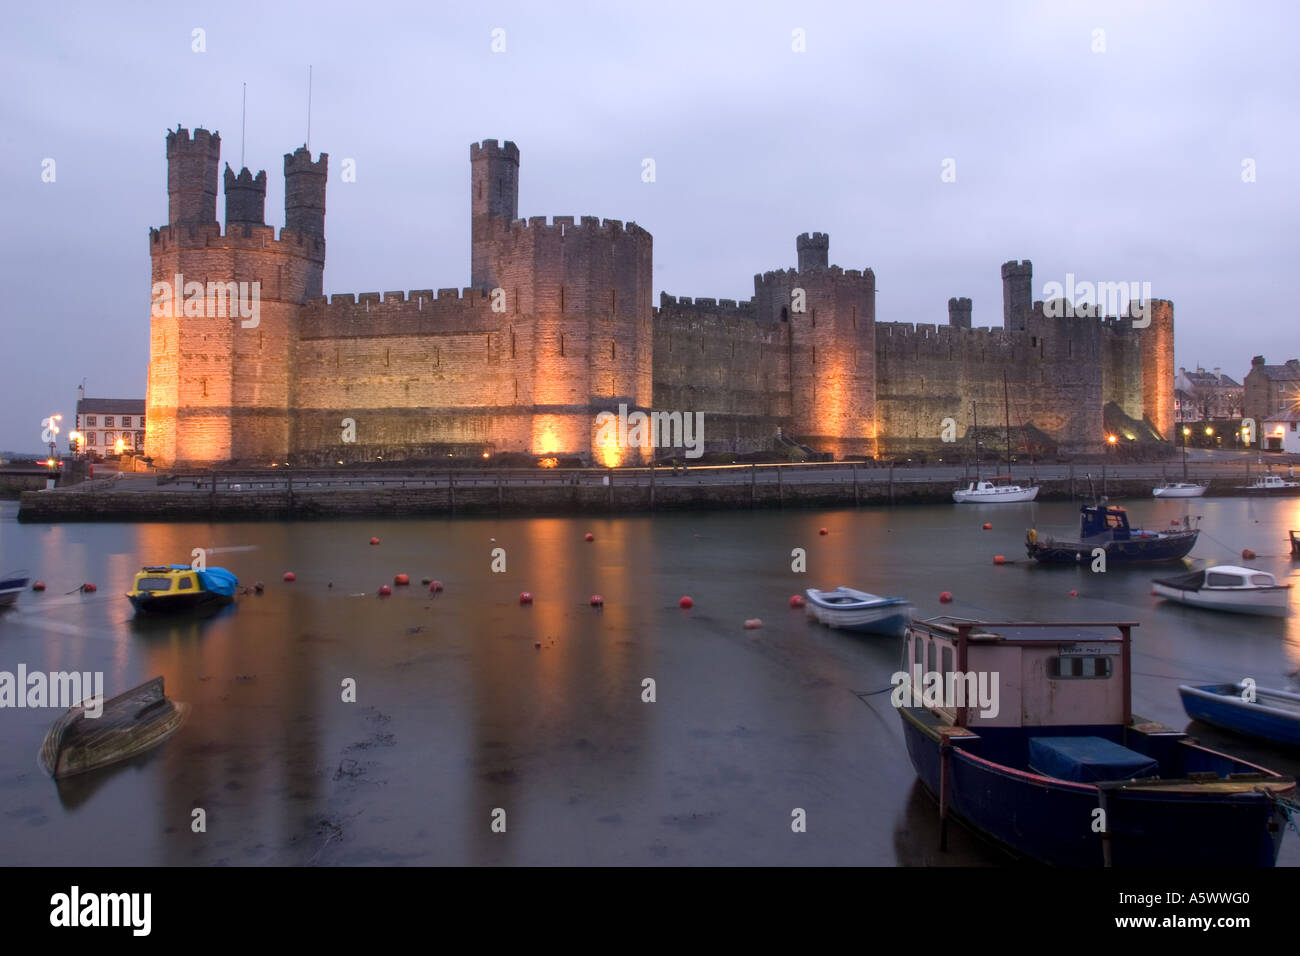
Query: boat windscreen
[154, 584]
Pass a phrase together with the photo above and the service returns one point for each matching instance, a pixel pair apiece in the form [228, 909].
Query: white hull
[996, 495]
[859, 611]
[1179, 490]
[1269, 602]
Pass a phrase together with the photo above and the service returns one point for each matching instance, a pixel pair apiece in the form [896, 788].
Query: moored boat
[986, 492]
[1226, 587]
[12, 585]
[1107, 527]
[1031, 767]
[129, 724]
[1295, 544]
[180, 587]
[1271, 485]
[1179, 489]
[1254, 711]
[852, 610]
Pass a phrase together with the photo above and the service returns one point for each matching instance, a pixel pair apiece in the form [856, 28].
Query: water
[458, 713]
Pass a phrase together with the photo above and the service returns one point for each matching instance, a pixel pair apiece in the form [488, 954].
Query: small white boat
[1179, 489]
[1271, 485]
[1226, 587]
[851, 610]
[985, 492]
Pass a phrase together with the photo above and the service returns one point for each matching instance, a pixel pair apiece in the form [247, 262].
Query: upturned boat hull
[131, 723]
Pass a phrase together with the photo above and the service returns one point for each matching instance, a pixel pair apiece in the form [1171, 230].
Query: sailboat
[986, 492]
[1180, 489]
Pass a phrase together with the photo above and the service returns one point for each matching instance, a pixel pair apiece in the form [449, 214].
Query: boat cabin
[1037, 675]
[1108, 520]
[179, 578]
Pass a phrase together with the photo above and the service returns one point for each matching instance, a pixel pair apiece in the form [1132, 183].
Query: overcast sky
[1122, 165]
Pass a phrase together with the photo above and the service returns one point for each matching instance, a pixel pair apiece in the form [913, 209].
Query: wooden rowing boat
[130, 724]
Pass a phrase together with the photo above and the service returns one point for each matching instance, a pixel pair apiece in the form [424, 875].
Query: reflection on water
[468, 702]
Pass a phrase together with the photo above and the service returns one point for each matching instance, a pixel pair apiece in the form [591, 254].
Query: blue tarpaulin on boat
[217, 580]
[1087, 759]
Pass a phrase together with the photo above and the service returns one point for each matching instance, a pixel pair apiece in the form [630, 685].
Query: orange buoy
[999, 559]
[385, 590]
[374, 540]
[988, 526]
[753, 623]
[435, 586]
[796, 600]
[526, 597]
[401, 579]
[38, 586]
[686, 603]
[588, 537]
[597, 601]
[1153, 593]
[945, 597]
[1074, 594]
[1247, 555]
[290, 576]
[89, 588]
[823, 531]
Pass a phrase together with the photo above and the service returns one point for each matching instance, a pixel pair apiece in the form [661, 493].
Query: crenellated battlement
[670, 303]
[166, 239]
[400, 312]
[561, 226]
[179, 140]
[491, 149]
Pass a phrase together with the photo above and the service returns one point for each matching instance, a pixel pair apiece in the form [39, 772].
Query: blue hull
[1170, 547]
[1228, 711]
[1051, 820]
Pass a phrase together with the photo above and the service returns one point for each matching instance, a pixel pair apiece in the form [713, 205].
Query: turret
[245, 198]
[192, 176]
[814, 251]
[1017, 293]
[494, 202]
[304, 192]
[959, 313]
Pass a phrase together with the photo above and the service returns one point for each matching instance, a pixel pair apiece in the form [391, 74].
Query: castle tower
[494, 202]
[192, 177]
[814, 251]
[831, 316]
[959, 313]
[225, 308]
[245, 198]
[1156, 342]
[1017, 294]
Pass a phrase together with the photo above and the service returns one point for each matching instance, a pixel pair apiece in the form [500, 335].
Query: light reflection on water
[459, 712]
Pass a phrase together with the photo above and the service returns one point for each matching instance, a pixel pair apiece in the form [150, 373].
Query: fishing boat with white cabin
[1226, 587]
[1024, 731]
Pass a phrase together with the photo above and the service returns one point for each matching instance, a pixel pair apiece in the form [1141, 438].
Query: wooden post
[753, 478]
[891, 481]
[1072, 482]
[288, 486]
[500, 493]
[451, 490]
[652, 483]
[855, 484]
[780, 490]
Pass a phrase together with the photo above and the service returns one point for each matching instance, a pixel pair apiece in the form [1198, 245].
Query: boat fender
[597, 601]
[1033, 536]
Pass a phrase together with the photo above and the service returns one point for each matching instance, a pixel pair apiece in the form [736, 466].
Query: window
[90, 421]
[108, 421]
[1075, 668]
[1220, 580]
[946, 657]
[154, 584]
[108, 438]
[126, 421]
[929, 655]
[90, 439]
[918, 651]
[1262, 580]
[184, 584]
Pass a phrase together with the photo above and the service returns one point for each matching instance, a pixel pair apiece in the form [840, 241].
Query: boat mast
[975, 433]
[1006, 405]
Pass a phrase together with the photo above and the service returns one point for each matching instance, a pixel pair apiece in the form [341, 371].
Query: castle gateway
[558, 326]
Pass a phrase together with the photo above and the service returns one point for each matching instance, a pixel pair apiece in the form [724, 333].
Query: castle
[558, 325]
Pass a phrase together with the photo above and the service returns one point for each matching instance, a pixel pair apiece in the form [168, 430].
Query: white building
[1281, 432]
[104, 422]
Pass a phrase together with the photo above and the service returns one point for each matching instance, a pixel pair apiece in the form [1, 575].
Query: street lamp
[74, 443]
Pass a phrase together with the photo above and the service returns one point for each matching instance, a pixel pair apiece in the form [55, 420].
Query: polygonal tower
[1156, 342]
[1017, 294]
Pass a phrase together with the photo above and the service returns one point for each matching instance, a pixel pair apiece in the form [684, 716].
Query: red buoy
[385, 590]
[290, 576]
[946, 597]
[686, 602]
[796, 600]
[374, 540]
[597, 601]
[89, 588]
[1074, 594]
[999, 559]
[823, 531]
[38, 586]
[588, 537]
[753, 623]
[435, 586]
[1154, 593]
[988, 526]
[401, 579]
[526, 597]
[1247, 555]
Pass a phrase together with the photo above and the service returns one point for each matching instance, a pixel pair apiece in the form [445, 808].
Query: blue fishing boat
[1025, 733]
[1254, 711]
[1107, 527]
[180, 587]
[12, 585]
[853, 610]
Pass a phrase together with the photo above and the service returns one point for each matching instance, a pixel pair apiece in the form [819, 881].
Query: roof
[1200, 377]
[1280, 373]
[1290, 415]
[110, 406]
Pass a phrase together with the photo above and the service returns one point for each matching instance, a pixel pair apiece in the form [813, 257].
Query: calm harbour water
[459, 713]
